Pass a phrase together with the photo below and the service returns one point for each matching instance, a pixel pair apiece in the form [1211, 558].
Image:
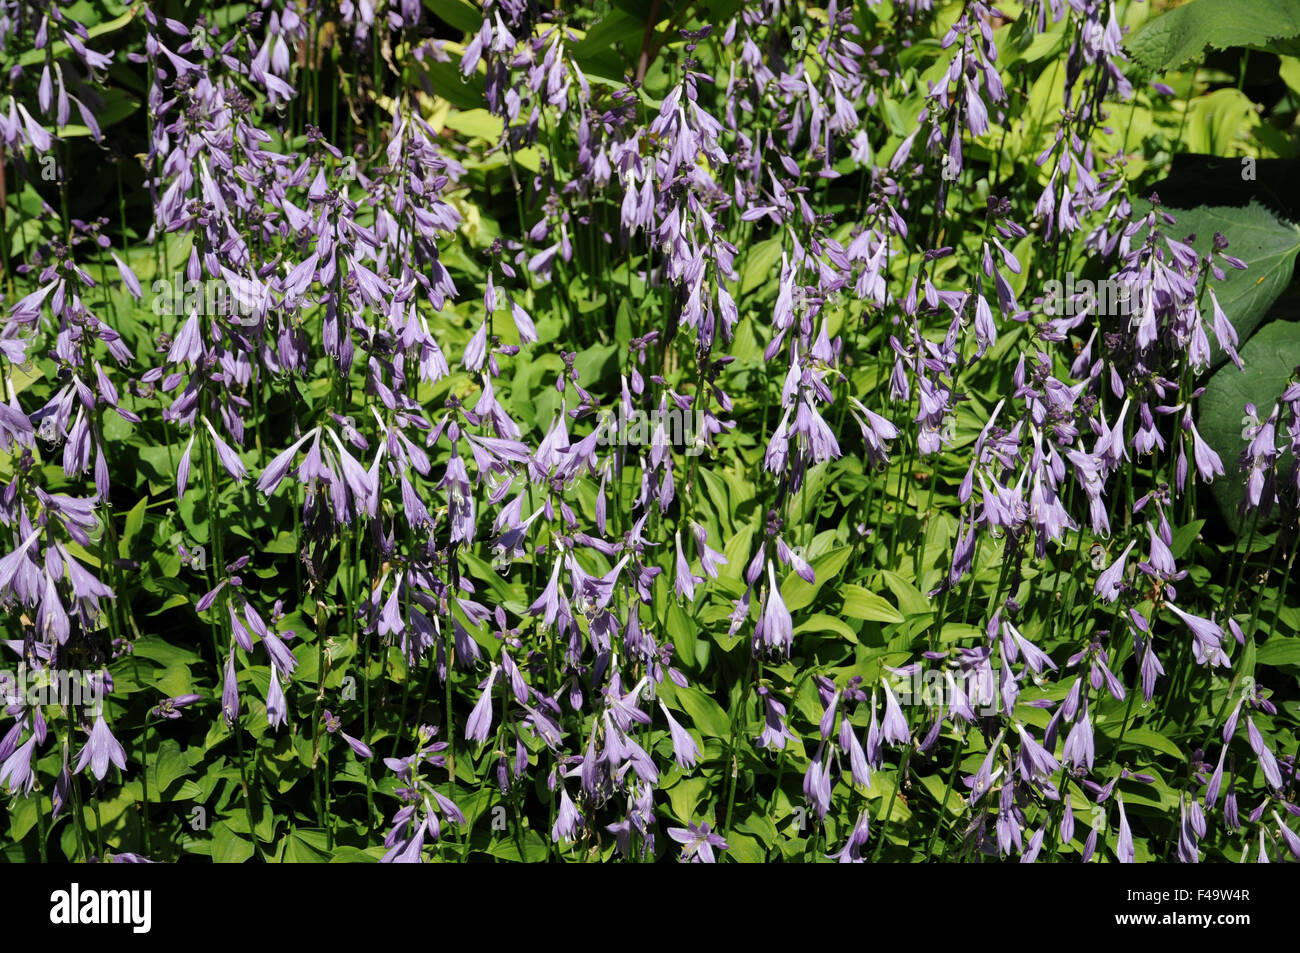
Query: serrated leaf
[1180, 35]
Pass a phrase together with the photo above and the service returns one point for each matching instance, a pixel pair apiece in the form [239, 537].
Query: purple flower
[16, 771]
[169, 708]
[1110, 580]
[685, 750]
[698, 842]
[684, 580]
[183, 470]
[1124, 850]
[275, 702]
[1035, 760]
[775, 629]
[775, 733]
[567, 819]
[1206, 634]
[99, 750]
[1208, 464]
[894, 728]
[851, 852]
[230, 692]
[1267, 762]
[479, 723]
[1289, 837]
[230, 461]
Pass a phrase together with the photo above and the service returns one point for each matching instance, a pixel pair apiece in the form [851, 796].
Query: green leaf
[685, 796]
[593, 363]
[474, 123]
[761, 826]
[168, 764]
[910, 599]
[1180, 35]
[134, 521]
[682, 632]
[228, 847]
[743, 848]
[461, 14]
[936, 787]
[956, 631]
[298, 851]
[1270, 358]
[761, 265]
[796, 593]
[153, 647]
[707, 714]
[23, 814]
[827, 625]
[354, 855]
[860, 603]
[1146, 738]
[534, 848]
[1279, 651]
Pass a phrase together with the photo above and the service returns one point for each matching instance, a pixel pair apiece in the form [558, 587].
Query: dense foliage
[681, 429]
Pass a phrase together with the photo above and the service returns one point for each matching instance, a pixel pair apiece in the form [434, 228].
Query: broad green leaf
[1144, 738]
[762, 265]
[826, 625]
[298, 851]
[461, 14]
[534, 848]
[686, 795]
[1279, 651]
[228, 847]
[910, 599]
[167, 764]
[1180, 35]
[860, 603]
[797, 593]
[1269, 358]
[134, 521]
[708, 715]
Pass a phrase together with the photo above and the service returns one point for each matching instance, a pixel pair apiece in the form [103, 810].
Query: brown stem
[643, 61]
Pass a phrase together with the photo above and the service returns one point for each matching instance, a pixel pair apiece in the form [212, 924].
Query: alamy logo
[238, 300]
[975, 688]
[672, 427]
[78, 688]
[77, 906]
[1107, 298]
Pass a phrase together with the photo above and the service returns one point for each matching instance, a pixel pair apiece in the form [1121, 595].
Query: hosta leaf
[228, 847]
[1279, 651]
[707, 714]
[860, 603]
[1269, 358]
[797, 593]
